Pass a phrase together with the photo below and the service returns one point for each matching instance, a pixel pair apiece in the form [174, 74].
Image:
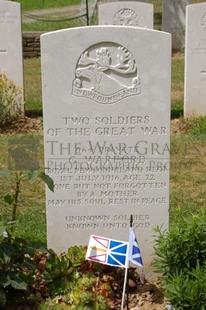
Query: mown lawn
[45, 4]
[31, 218]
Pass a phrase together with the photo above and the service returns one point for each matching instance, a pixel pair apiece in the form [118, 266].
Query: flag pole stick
[131, 224]
[126, 279]
[125, 282]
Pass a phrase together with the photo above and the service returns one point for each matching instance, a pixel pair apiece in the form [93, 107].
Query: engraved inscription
[203, 22]
[106, 73]
[120, 221]
[203, 73]
[7, 17]
[199, 48]
[126, 17]
[108, 173]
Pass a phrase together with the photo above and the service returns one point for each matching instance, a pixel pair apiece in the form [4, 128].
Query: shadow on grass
[34, 113]
[158, 19]
[177, 111]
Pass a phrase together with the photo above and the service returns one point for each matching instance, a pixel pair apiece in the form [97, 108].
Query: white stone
[134, 0]
[126, 13]
[173, 21]
[106, 105]
[195, 61]
[11, 57]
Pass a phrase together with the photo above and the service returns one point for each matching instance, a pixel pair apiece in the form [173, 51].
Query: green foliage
[12, 198]
[94, 293]
[45, 178]
[187, 291]
[182, 246]
[11, 99]
[37, 278]
[16, 267]
[197, 126]
[58, 272]
[70, 275]
[181, 259]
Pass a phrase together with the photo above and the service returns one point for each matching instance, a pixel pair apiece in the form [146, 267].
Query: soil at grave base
[34, 125]
[22, 125]
[147, 297]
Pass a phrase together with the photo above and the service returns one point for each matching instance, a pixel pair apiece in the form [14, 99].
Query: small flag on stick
[116, 253]
[107, 251]
[135, 255]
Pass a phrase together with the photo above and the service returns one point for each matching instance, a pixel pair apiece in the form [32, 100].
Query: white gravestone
[134, 0]
[128, 13]
[106, 105]
[195, 61]
[11, 58]
[173, 21]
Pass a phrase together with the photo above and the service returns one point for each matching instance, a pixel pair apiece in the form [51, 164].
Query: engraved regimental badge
[126, 17]
[203, 22]
[106, 73]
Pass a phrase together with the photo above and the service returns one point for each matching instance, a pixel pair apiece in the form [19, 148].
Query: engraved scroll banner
[106, 74]
[106, 107]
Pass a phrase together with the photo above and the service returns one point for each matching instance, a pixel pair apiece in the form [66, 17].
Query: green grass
[197, 126]
[32, 84]
[187, 174]
[31, 219]
[43, 4]
[177, 86]
[52, 26]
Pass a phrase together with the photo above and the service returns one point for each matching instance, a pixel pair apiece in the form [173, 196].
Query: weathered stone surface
[106, 105]
[195, 61]
[173, 21]
[128, 13]
[11, 60]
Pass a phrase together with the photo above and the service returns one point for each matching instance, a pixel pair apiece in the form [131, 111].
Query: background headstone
[11, 58]
[195, 61]
[128, 13]
[106, 105]
[173, 21]
[124, 1]
[134, 0]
